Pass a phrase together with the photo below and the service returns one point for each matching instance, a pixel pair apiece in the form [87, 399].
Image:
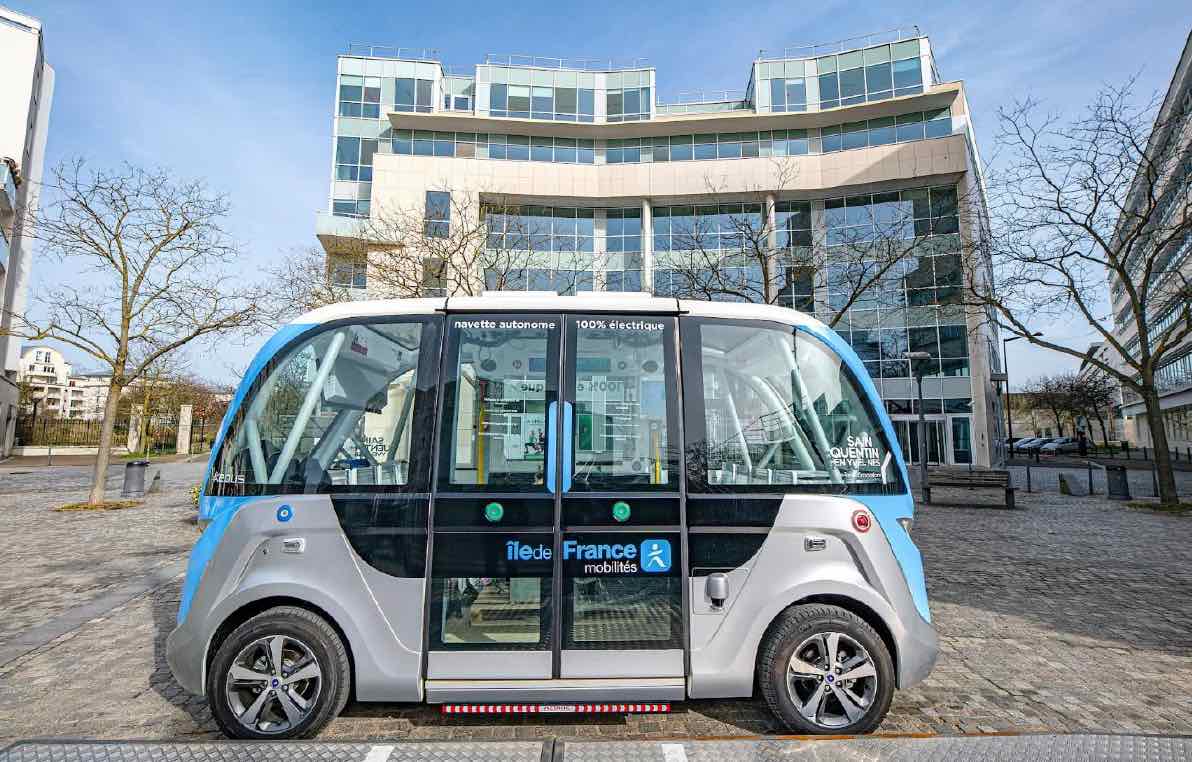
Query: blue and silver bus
[529, 499]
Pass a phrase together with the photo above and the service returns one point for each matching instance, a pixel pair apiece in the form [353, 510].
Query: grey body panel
[550, 691]
[382, 621]
[599, 663]
[476, 665]
[859, 567]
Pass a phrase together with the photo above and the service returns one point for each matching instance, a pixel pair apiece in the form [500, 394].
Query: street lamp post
[918, 369]
[1006, 371]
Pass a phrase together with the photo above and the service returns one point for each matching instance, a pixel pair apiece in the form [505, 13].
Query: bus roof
[547, 301]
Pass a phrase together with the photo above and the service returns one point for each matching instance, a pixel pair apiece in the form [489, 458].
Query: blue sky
[241, 93]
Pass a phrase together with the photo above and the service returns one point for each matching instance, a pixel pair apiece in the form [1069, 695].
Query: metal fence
[1142, 481]
[43, 431]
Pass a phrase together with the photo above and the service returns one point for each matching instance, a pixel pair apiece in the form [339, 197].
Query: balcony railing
[839, 46]
[548, 62]
[393, 51]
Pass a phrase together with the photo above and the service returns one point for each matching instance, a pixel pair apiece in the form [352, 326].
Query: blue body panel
[887, 509]
[217, 512]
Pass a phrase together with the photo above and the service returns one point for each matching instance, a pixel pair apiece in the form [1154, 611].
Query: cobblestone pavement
[1072, 615]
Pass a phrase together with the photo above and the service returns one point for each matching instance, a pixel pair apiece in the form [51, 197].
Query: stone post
[185, 415]
[134, 428]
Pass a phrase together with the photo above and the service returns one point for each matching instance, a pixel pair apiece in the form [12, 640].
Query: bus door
[557, 515]
[622, 544]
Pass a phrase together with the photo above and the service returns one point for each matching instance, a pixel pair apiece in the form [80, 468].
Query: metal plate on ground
[943, 749]
[281, 751]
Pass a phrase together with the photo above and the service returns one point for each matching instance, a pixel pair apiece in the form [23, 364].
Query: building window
[438, 214]
[629, 104]
[360, 96]
[349, 273]
[412, 95]
[354, 158]
[871, 74]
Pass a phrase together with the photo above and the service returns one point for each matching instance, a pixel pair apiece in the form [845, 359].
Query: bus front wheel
[823, 669]
[282, 674]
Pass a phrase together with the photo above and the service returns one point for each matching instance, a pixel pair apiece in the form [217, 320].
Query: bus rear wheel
[824, 670]
[282, 674]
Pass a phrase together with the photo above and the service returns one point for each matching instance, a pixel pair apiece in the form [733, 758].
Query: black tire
[326, 648]
[794, 627]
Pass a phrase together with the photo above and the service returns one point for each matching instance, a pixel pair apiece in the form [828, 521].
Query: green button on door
[621, 510]
[494, 512]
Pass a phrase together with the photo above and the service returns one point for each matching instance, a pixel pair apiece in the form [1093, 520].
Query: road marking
[378, 754]
[673, 752]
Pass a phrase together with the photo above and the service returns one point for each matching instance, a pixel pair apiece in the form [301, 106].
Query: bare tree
[1095, 394]
[1103, 195]
[1054, 395]
[767, 255]
[154, 256]
[307, 279]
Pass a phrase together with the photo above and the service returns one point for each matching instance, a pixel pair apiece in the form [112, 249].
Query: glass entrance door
[907, 430]
[557, 521]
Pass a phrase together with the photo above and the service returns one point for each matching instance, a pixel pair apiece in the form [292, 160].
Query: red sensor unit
[862, 521]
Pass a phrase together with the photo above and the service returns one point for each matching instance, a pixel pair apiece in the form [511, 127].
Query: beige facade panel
[401, 181]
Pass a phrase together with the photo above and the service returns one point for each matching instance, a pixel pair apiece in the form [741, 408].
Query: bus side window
[336, 410]
[781, 412]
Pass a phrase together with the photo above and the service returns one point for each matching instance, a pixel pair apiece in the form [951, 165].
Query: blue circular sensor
[285, 513]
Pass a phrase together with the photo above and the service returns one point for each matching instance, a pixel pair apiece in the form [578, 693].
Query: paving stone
[1073, 615]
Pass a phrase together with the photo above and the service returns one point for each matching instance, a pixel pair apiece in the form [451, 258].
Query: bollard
[1144, 453]
[1028, 477]
[1037, 451]
[1117, 483]
[134, 478]
[49, 455]
[1155, 480]
[1090, 465]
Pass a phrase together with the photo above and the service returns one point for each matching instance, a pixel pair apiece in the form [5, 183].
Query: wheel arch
[850, 604]
[257, 606]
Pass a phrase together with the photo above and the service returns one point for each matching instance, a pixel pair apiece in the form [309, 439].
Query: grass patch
[1180, 509]
[107, 505]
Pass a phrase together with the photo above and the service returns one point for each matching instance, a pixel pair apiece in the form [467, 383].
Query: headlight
[906, 522]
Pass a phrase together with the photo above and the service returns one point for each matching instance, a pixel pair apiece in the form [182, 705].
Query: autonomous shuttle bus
[553, 503]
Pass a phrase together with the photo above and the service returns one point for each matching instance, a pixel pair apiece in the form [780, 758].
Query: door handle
[568, 445]
[548, 464]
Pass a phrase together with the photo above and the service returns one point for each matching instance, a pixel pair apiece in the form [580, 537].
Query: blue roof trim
[276, 343]
[887, 509]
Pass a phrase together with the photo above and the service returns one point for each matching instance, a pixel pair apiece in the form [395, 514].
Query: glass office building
[587, 180]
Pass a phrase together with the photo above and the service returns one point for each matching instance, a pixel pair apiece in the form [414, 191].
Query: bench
[976, 479]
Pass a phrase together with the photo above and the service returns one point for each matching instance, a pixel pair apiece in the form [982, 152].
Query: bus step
[556, 708]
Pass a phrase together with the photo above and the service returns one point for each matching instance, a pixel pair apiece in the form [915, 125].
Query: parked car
[1020, 444]
[1062, 444]
[1030, 447]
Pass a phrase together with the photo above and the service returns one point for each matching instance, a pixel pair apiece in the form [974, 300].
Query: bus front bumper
[185, 655]
[917, 652]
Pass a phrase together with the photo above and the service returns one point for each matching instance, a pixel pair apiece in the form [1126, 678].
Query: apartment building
[1171, 274]
[578, 173]
[26, 90]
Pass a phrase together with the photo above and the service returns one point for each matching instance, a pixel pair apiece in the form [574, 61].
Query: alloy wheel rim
[273, 684]
[832, 680]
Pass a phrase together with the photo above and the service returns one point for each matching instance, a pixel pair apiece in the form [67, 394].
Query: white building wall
[26, 92]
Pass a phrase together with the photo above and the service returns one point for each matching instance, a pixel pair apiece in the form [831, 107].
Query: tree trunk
[1104, 429]
[99, 476]
[1154, 419]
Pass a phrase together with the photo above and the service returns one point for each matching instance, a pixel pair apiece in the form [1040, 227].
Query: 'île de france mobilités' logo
[655, 556]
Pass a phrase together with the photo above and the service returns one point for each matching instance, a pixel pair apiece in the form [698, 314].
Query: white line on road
[378, 754]
[673, 752]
